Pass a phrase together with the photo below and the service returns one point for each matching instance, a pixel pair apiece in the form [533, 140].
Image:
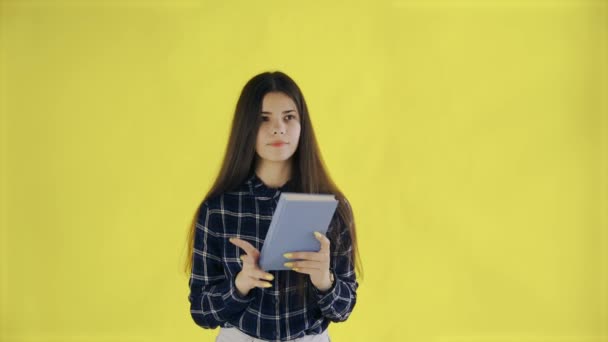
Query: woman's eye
[265, 118]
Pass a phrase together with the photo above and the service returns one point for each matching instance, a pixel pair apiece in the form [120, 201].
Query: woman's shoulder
[226, 198]
[211, 209]
[211, 201]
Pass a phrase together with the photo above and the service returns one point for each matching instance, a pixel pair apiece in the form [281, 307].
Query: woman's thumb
[246, 258]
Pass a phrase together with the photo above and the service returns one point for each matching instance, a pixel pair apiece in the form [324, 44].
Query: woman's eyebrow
[284, 112]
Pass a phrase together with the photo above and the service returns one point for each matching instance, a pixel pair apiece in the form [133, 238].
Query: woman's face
[280, 123]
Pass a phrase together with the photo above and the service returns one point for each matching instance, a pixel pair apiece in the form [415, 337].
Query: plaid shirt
[264, 313]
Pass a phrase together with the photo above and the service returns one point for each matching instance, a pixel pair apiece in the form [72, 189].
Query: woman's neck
[273, 174]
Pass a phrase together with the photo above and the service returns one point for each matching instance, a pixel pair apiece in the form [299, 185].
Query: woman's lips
[278, 144]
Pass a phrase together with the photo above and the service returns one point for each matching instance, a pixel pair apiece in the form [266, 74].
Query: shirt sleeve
[214, 298]
[338, 302]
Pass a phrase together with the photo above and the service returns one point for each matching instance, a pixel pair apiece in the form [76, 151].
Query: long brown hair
[308, 174]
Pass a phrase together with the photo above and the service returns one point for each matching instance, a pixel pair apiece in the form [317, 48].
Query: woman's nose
[278, 128]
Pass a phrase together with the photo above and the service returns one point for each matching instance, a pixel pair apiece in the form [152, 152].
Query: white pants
[235, 335]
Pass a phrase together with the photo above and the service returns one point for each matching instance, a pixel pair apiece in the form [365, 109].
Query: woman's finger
[246, 246]
[325, 243]
[316, 256]
[244, 258]
[305, 270]
[250, 261]
[308, 264]
[263, 284]
[263, 275]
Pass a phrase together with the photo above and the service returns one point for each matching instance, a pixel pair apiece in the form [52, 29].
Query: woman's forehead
[276, 101]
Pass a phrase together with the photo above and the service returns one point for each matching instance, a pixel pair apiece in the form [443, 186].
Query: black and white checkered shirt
[271, 314]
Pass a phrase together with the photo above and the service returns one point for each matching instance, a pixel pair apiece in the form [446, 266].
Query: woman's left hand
[315, 264]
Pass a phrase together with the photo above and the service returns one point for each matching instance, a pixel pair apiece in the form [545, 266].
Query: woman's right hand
[251, 275]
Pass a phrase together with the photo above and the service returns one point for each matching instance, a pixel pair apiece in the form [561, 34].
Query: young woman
[271, 149]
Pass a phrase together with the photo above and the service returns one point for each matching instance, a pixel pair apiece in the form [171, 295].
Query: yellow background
[469, 136]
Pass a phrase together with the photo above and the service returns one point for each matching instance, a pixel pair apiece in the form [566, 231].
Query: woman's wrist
[242, 291]
[330, 282]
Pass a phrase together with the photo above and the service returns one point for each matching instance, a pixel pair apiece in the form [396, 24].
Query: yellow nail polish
[288, 264]
[288, 255]
[267, 285]
[295, 268]
[318, 234]
[269, 277]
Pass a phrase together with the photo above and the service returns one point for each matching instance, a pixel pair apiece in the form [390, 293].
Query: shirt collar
[258, 188]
